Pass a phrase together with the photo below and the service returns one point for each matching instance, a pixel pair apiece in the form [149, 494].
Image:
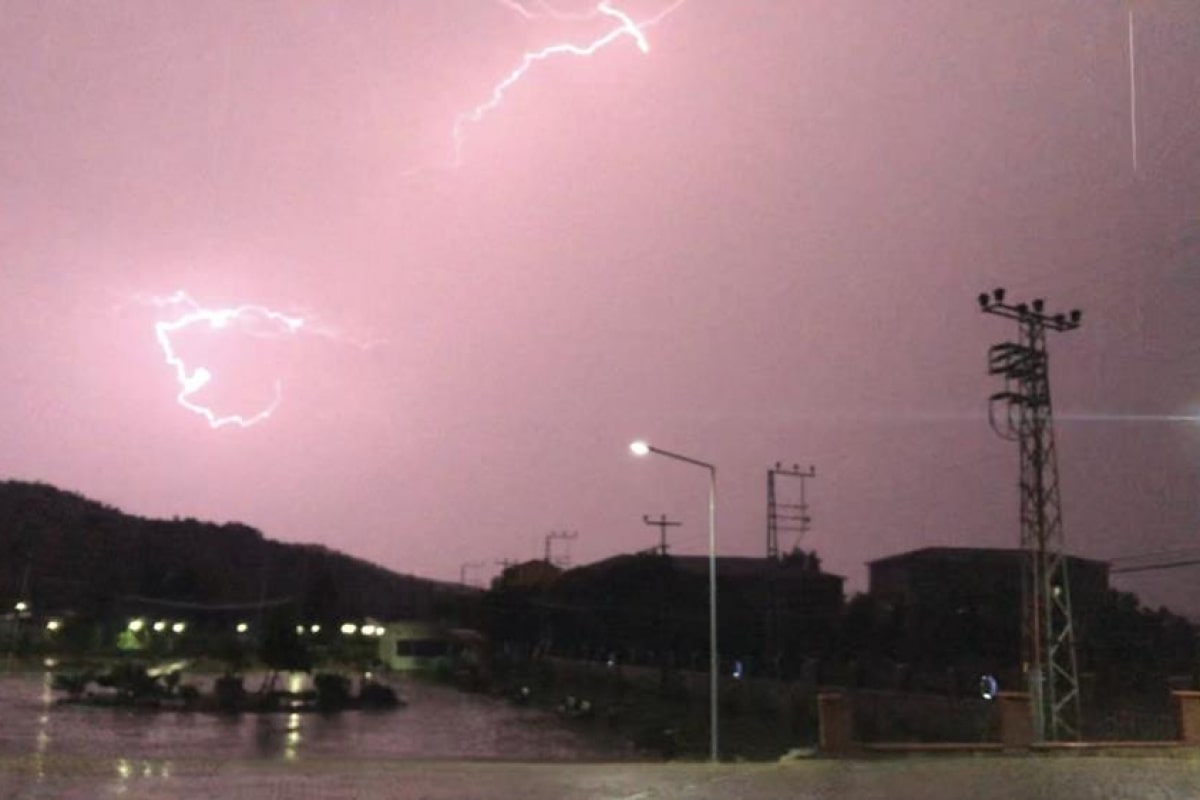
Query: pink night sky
[759, 241]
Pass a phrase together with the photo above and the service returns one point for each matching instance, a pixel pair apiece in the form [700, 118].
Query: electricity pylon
[1048, 636]
[786, 517]
[565, 560]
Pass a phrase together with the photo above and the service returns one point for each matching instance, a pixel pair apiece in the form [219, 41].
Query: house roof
[727, 566]
[965, 553]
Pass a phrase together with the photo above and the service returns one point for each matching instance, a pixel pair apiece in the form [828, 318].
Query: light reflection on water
[293, 737]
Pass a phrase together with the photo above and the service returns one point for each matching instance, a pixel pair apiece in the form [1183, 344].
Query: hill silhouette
[64, 553]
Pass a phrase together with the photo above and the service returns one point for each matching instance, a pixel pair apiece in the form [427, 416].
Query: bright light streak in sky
[253, 320]
[623, 26]
[1132, 97]
[1129, 417]
[547, 10]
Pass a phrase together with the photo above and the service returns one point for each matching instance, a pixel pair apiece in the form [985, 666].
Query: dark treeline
[67, 555]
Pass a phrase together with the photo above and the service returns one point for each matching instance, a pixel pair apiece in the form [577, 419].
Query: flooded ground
[450, 745]
[438, 723]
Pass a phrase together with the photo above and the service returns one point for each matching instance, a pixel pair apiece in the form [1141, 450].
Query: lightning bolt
[547, 10]
[251, 319]
[624, 26]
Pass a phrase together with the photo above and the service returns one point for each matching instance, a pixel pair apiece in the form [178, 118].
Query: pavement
[979, 777]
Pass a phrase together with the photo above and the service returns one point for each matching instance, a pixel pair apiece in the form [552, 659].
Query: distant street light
[242, 627]
[349, 628]
[179, 627]
[136, 625]
[160, 626]
[640, 448]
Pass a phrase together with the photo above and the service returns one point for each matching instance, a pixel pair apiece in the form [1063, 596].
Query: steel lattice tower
[786, 517]
[1048, 637]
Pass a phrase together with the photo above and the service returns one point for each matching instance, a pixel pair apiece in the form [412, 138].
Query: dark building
[961, 606]
[529, 575]
[940, 575]
[654, 609]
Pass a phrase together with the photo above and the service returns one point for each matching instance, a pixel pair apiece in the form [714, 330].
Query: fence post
[1189, 716]
[1016, 720]
[836, 723]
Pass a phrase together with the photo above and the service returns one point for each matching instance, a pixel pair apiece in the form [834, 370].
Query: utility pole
[662, 523]
[786, 517]
[561, 535]
[789, 518]
[503, 564]
[1048, 637]
[666, 579]
[468, 565]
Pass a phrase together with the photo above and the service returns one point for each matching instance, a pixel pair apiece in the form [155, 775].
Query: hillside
[65, 552]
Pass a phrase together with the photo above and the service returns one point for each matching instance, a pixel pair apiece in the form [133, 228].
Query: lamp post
[640, 448]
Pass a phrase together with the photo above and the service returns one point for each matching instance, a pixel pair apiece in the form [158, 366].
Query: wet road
[447, 745]
[941, 778]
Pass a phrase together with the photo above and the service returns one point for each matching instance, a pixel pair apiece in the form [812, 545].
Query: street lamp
[640, 448]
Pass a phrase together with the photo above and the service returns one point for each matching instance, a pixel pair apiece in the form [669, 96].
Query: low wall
[1010, 728]
[845, 721]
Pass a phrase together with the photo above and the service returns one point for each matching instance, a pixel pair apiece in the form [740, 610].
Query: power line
[1148, 567]
[1177, 553]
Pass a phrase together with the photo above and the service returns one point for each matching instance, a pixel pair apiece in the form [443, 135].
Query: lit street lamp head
[639, 448]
